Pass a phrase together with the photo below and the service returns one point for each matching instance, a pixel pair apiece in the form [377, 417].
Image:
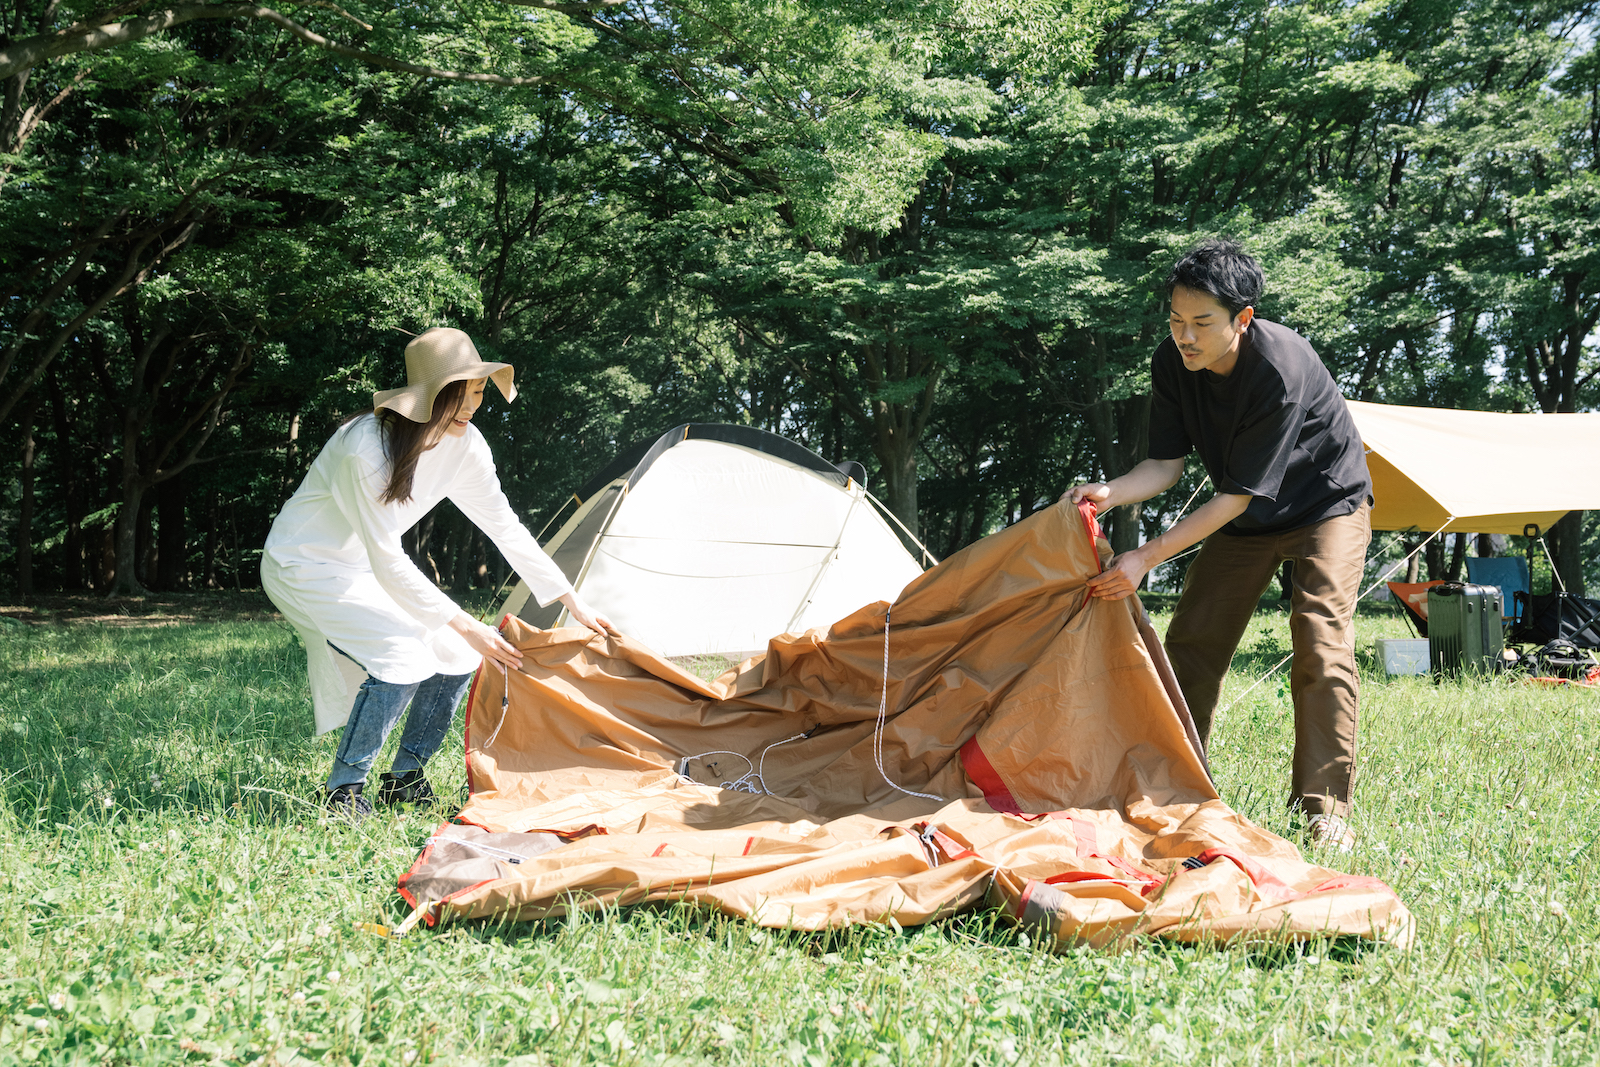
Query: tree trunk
[480, 558]
[1413, 561]
[25, 515]
[418, 544]
[1435, 554]
[106, 562]
[1122, 438]
[461, 561]
[172, 549]
[291, 455]
[208, 559]
[1458, 559]
[124, 577]
[65, 461]
[898, 457]
[233, 528]
[1565, 539]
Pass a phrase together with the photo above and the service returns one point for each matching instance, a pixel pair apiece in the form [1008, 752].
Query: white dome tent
[714, 538]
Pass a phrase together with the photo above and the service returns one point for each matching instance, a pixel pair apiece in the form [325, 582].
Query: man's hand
[1097, 492]
[584, 615]
[1122, 575]
[487, 642]
[1150, 477]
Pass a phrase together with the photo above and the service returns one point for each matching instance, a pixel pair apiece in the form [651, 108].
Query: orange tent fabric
[1044, 761]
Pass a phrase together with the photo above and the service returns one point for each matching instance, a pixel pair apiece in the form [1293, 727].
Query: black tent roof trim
[634, 460]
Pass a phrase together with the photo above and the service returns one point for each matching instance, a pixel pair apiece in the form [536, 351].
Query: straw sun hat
[434, 359]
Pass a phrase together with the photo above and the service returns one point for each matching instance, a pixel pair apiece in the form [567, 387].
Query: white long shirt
[334, 566]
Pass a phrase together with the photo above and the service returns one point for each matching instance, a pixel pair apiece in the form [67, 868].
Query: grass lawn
[167, 894]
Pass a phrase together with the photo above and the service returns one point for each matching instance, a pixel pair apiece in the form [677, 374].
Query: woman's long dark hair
[405, 441]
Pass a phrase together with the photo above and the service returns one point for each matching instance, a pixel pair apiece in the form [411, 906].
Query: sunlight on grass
[171, 894]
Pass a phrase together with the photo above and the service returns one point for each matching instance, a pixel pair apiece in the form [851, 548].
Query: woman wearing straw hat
[370, 621]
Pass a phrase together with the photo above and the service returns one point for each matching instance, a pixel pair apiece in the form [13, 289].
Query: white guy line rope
[505, 706]
[1553, 568]
[1186, 503]
[751, 781]
[883, 715]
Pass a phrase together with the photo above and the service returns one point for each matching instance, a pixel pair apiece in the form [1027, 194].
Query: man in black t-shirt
[1276, 438]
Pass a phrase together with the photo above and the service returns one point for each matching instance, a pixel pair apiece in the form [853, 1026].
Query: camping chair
[1413, 598]
[1510, 574]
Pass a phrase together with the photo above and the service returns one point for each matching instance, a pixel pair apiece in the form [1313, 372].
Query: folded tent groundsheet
[1053, 770]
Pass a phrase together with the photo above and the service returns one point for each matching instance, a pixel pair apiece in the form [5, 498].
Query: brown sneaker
[1330, 832]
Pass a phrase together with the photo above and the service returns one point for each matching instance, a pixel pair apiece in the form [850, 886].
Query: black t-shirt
[1275, 429]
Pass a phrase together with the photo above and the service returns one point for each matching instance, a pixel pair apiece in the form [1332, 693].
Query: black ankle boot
[347, 804]
[407, 788]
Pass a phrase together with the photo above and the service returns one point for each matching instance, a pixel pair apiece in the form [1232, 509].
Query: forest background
[927, 235]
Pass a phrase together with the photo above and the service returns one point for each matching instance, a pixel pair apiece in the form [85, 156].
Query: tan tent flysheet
[996, 739]
[1477, 471]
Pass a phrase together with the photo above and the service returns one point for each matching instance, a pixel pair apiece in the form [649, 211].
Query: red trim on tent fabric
[749, 843]
[1090, 876]
[406, 894]
[659, 850]
[1086, 510]
[1087, 836]
[421, 857]
[1088, 840]
[985, 777]
[952, 849]
[466, 723]
[1259, 876]
[466, 726]
[1352, 881]
[1089, 849]
[1590, 680]
[1022, 900]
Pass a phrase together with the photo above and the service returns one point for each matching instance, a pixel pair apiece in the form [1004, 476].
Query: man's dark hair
[1224, 270]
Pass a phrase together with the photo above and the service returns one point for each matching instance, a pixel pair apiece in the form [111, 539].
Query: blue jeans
[377, 708]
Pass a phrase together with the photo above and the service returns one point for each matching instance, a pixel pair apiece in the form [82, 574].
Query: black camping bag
[1557, 617]
[1562, 659]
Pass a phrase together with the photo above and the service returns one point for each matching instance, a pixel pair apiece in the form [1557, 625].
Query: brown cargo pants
[1223, 587]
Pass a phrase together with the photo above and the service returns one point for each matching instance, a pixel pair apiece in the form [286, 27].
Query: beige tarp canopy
[1052, 769]
[1483, 471]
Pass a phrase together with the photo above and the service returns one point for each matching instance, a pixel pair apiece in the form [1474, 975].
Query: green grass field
[168, 894]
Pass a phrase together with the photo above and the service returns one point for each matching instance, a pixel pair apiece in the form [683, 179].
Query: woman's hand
[1122, 575]
[1097, 492]
[487, 642]
[584, 615]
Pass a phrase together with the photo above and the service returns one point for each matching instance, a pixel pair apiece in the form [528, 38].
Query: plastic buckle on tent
[928, 834]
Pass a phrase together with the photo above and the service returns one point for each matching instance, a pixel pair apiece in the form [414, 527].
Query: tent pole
[511, 571]
[583, 571]
[833, 554]
[885, 509]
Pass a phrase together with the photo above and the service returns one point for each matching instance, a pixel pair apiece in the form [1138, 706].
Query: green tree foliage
[926, 234]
